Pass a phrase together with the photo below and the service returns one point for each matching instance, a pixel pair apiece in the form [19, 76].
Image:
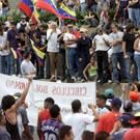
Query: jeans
[129, 62]
[134, 15]
[137, 59]
[72, 62]
[12, 64]
[118, 58]
[5, 64]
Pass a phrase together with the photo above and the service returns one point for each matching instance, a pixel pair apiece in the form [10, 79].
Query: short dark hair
[49, 100]
[102, 135]
[55, 111]
[7, 102]
[87, 135]
[76, 106]
[101, 96]
[64, 130]
[26, 54]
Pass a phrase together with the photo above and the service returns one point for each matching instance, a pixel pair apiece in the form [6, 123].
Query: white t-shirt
[27, 68]
[100, 43]
[78, 122]
[53, 44]
[69, 36]
[3, 40]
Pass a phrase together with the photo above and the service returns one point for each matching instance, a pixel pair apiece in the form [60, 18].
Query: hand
[91, 106]
[126, 56]
[30, 78]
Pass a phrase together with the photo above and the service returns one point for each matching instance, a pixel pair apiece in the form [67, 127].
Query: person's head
[100, 30]
[65, 133]
[83, 32]
[27, 55]
[53, 25]
[70, 28]
[12, 25]
[76, 106]
[134, 96]
[114, 27]
[124, 120]
[55, 111]
[101, 100]
[33, 26]
[92, 60]
[87, 135]
[127, 106]
[130, 28]
[109, 93]
[116, 104]
[7, 102]
[135, 121]
[23, 18]
[48, 102]
[102, 136]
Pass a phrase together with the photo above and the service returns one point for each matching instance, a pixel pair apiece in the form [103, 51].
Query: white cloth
[100, 43]
[27, 68]
[78, 122]
[53, 44]
[69, 36]
[3, 41]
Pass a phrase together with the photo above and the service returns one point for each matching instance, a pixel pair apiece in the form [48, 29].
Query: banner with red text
[62, 93]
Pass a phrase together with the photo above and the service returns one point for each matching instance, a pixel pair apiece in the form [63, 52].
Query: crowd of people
[110, 54]
[115, 118]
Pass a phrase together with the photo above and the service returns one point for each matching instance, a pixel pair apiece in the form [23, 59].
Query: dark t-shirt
[13, 38]
[136, 5]
[129, 39]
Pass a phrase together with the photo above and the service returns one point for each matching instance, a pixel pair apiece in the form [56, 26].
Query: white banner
[62, 93]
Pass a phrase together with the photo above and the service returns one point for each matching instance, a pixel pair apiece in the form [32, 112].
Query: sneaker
[73, 78]
[109, 81]
[98, 81]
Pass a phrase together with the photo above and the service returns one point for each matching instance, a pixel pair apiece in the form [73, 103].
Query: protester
[78, 120]
[27, 68]
[90, 71]
[4, 135]
[137, 54]
[101, 46]
[10, 107]
[44, 114]
[53, 49]
[51, 127]
[107, 121]
[133, 133]
[65, 133]
[102, 136]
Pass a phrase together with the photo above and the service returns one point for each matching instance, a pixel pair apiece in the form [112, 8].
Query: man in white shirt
[70, 41]
[53, 48]
[116, 38]
[78, 120]
[101, 45]
[27, 68]
[4, 53]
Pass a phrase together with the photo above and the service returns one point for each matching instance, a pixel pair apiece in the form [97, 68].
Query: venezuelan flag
[48, 5]
[66, 13]
[39, 54]
[27, 7]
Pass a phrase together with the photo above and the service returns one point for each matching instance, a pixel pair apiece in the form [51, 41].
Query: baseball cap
[109, 93]
[134, 96]
[136, 119]
[116, 102]
[125, 118]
